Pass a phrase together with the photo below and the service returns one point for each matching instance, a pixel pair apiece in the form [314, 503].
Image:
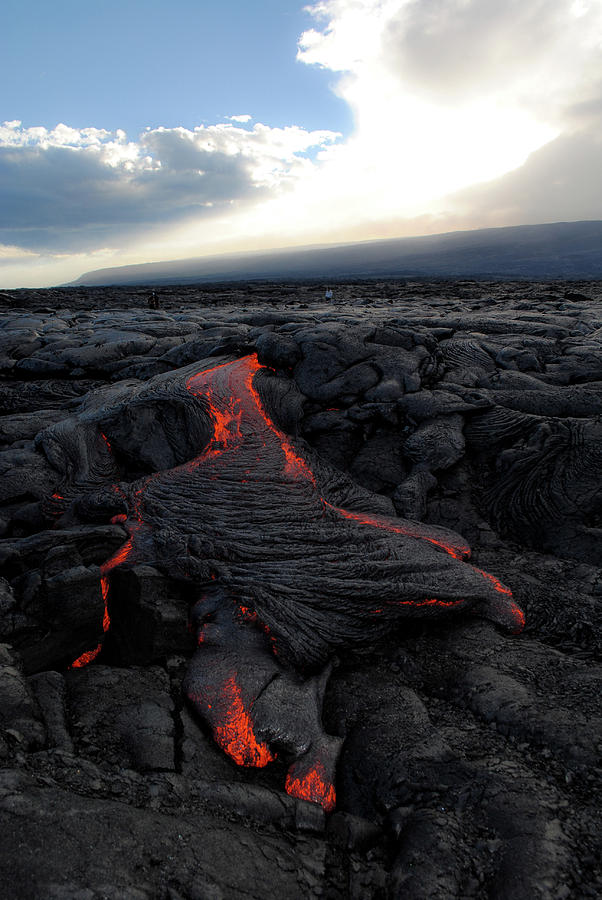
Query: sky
[141, 130]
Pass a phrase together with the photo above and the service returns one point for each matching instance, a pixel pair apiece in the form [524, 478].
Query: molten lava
[313, 786]
[519, 618]
[86, 658]
[457, 551]
[236, 735]
[116, 560]
[107, 441]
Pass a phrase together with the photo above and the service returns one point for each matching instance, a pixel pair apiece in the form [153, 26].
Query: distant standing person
[328, 294]
[153, 300]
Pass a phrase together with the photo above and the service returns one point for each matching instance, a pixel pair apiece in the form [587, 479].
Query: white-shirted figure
[328, 294]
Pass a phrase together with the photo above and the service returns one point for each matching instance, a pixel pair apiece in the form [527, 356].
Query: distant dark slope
[541, 252]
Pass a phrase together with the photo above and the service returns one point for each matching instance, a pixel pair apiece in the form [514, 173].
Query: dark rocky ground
[470, 762]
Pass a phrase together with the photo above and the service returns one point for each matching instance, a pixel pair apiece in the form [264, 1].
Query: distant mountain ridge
[562, 250]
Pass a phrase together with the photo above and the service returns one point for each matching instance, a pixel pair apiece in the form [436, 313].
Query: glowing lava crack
[292, 563]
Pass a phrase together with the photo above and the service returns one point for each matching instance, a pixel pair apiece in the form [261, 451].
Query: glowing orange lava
[295, 466]
[226, 421]
[459, 551]
[236, 735]
[430, 602]
[86, 658]
[500, 588]
[519, 618]
[227, 418]
[249, 615]
[314, 786]
[106, 440]
[116, 560]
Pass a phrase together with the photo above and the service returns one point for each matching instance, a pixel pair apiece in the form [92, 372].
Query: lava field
[301, 598]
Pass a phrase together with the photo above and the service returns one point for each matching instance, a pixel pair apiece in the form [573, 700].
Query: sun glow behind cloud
[446, 96]
[473, 104]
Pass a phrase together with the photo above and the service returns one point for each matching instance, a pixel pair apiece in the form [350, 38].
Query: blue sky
[139, 131]
[131, 64]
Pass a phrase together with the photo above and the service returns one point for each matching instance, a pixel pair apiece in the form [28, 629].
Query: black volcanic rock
[467, 758]
[131, 709]
[280, 351]
[20, 718]
[63, 616]
[149, 617]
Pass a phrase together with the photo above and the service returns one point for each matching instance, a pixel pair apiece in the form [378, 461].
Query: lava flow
[316, 575]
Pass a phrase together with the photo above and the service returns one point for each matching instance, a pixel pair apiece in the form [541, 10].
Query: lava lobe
[292, 560]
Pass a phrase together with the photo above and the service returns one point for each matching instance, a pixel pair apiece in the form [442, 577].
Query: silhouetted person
[153, 300]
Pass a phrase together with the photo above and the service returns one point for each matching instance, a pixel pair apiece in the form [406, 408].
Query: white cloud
[532, 53]
[447, 94]
[535, 54]
[68, 189]
[245, 117]
[12, 252]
